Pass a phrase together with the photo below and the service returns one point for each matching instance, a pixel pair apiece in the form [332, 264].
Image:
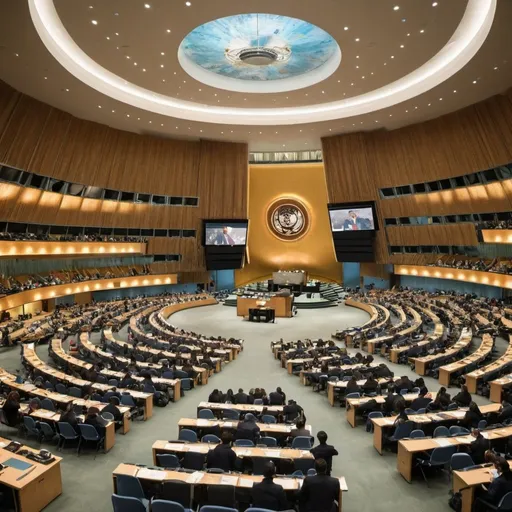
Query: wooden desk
[41, 485]
[332, 387]
[290, 362]
[497, 387]
[290, 485]
[242, 408]
[281, 305]
[241, 451]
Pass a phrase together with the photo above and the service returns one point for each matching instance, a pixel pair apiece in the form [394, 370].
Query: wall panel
[434, 234]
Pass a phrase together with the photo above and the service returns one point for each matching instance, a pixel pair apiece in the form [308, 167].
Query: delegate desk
[352, 404]
[333, 387]
[380, 424]
[241, 408]
[150, 477]
[408, 449]
[268, 315]
[466, 482]
[495, 367]
[288, 363]
[35, 485]
[497, 387]
[241, 451]
[485, 348]
[281, 305]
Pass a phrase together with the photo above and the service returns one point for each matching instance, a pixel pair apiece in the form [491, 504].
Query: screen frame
[355, 205]
[223, 221]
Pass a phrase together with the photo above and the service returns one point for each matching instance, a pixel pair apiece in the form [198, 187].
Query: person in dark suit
[321, 492]
[215, 397]
[292, 410]
[222, 456]
[248, 429]
[500, 485]
[267, 494]
[69, 416]
[224, 238]
[463, 399]
[277, 397]
[388, 405]
[422, 401]
[478, 447]
[300, 429]
[473, 416]
[353, 222]
[382, 371]
[352, 386]
[371, 384]
[505, 411]
[324, 451]
[93, 418]
[112, 409]
[241, 397]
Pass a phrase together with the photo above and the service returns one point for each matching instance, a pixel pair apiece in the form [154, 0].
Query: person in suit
[422, 401]
[69, 416]
[224, 238]
[241, 397]
[93, 418]
[222, 456]
[248, 429]
[505, 411]
[371, 384]
[292, 410]
[500, 485]
[478, 447]
[321, 492]
[113, 409]
[352, 386]
[277, 397]
[11, 409]
[463, 399]
[215, 397]
[267, 494]
[300, 429]
[353, 222]
[324, 451]
[473, 416]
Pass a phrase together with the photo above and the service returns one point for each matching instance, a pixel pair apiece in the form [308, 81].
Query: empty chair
[297, 474]
[268, 441]
[311, 472]
[101, 379]
[60, 388]
[88, 434]
[187, 435]
[167, 506]
[66, 433]
[210, 438]
[216, 508]
[302, 443]
[168, 460]
[130, 486]
[194, 460]
[97, 397]
[206, 414]
[461, 461]
[410, 411]
[439, 458]
[417, 434]
[127, 504]
[404, 392]
[168, 374]
[230, 414]
[47, 432]
[30, 427]
[452, 407]
[353, 395]
[243, 442]
[76, 392]
[186, 384]
[482, 424]
[46, 403]
[268, 418]
[441, 431]
[178, 491]
[48, 385]
[220, 497]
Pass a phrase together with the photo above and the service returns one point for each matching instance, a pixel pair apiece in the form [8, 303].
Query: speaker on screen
[353, 227]
[224, 242]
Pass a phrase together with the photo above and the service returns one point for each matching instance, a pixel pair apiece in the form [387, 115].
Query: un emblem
[288, 219]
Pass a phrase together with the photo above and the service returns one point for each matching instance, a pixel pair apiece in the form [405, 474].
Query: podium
[281, 305]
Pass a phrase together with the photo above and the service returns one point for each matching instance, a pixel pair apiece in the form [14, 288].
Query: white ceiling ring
[460, 49]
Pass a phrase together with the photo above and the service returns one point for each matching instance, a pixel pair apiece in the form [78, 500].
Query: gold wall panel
[313, 252]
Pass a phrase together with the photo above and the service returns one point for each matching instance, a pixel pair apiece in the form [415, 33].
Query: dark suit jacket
[247, 430]
[222, 456]
[276, 398]
[505, 414]
[269, 495]
[326, 452]
[420, 403]
[478, 448]
[498, 488]
[300, 432]
[241, 398]
[319, 493]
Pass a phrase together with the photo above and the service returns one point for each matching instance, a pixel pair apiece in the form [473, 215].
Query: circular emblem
[288, 219]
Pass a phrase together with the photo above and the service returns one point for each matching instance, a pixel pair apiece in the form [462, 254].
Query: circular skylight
[259, 53]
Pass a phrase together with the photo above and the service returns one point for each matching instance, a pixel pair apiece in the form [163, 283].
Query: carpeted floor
[373, 482]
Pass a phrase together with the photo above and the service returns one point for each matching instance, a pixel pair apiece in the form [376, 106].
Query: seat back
[186, 384]
[46, 403]
[60, 388]
[461, 461]
[441, 431]
[206, 414]
[403, 430]
[302, 442]
[375, 414]
[127, 504]
[128, 485]
[107, 416]
[30, 424]
[166, 506]
[66, 430]
[88, 432]
[268, 418]
[187, 435]
[216, 508]
[442, 455]
[417, 434]
[47, 430]
[482, 424]
[268, 441]
[311, 472]
[231, 414]
[177, 491]
[353, 395]
[76, 392]
[210, 438]
[258, 401]
[168, 460]
[128, 400]
[244, 442]
[505, 502]
[193, 460]
[221, 496]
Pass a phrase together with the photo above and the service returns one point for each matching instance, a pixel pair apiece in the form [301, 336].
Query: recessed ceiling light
[396, 8]
[404, 20]
[357, 67]
[376, 121]
[455, 90]
[67, 90]
[422, 31]
[168, 30]
[99, 106]
[127, 115]
[163, 80]
[390, 115]
[94, 22]
[408, 35]
[117, 33]
[440, 99]
[362, 77]
[162, 53]
[144, 70]
[435, 4]
[392, 56]
[128, 57]
[161, 124]
[339, 81]
[116, 14]
[46, 78]
[188, 4]
[161, 65]
[150, 122]
[357, 39]
[406, 111]
[357, 56]
[284, 145]
[474, 81]
[323, 92]
[147, 6]
[113, 111]
[385, 63]
[90, 7]
[402, 46]
[429, 104]
[138, 118]
[108, 38]
[345, 28]
[134, 63]
[415, 108]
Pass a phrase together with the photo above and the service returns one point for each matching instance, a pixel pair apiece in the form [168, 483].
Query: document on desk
[442, 442]
[17, 464]
[175, 447]
[272, 453]
[229, 480]
[243, 452]
[228, 424]
[245, 482]
[287, 484]
[151, 474]
[197, 449]
[464, 440]
[203, 423]
[195, 477]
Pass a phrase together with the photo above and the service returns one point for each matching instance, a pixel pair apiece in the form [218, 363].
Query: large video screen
[225, 233]
[352, 219]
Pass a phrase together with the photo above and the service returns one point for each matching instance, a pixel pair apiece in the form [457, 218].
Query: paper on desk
[389, 421]
[442, 442]
[343, 484]
[195, 477]
[175, 447]
[243, 453]
[286, 483]
[202, 422]
[229, 480]
[196, 449]
[458, 414]
[271, 453]
[151, 474]
[305, 453]
[245, 482]
[464, 440]
[228, 424]
[485, 435]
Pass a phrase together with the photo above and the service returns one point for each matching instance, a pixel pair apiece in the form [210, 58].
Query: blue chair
[353, 395]
[505, 503]
[186, 384]
[402, 431]
[441, 431]
[31, 427]
[404, 392]
[130, 486]
[60, 388]
[210, 438]
[215, 508]
[311, 472]
[48, 385]
[107, 416]
[187, 435]
[101, 379]
[268, 418]
[439, 458]
[167, 506]
[410, 411]
[168, 374]
[128, 401]
[297, 474]
[206, 414]
[47, 432]
[461, 461]
[66, 433]
[194, 460]
[416, 391]
[76, 392]
[89, 434]
[482, 424]
[452, 407]
[422, 411]
[127, 504]
[258, 401]
[417, 434]
[372, 415]
[304, 465]
[244, 442]
[168, 460]
[302, 443]
[254, 509]
[97, 397]
[113, 382]
[270, 442]
[47, 404]
[230, 414]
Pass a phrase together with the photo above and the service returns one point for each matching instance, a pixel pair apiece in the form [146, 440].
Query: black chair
[221, 495]
[194, 460]
[176, 490]
[505, 504]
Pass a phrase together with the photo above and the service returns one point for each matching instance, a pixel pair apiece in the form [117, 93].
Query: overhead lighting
[46, 78]
[396, 8]
[113, 111]
[188, 4]
[474, 81]
[495, 68]
[67, 90]
[147, 6]
[455, 91]
[440, 99]
[161, 65]
[422, 31]
[162, 53]
[108, 38]
[402, 46]
[435, 4]
[168, 31]
[357, 39]
[345, 28]
[99, 106]
[94, 22]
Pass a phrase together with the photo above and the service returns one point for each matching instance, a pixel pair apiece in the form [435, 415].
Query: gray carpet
[373, 482]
